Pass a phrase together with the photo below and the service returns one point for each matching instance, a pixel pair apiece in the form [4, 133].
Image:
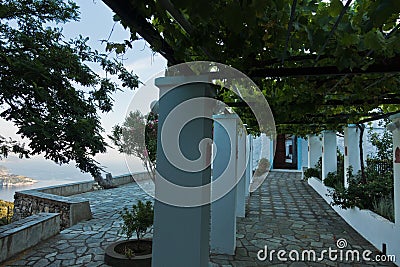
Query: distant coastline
[8, 179]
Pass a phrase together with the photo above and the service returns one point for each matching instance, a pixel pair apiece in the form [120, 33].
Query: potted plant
[133, 252]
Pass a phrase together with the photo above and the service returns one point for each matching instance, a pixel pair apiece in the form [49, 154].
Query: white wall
[371, 226]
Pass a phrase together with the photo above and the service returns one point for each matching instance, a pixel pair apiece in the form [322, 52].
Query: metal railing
[380, 166]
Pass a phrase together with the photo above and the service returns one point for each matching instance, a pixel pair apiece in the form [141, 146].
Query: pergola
[320, 64]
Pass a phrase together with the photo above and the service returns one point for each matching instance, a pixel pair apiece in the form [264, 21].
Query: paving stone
[283, 213]
[261, 235]
[56, 263]
[94, 264]
[241, 252]
[50, 255]
[286, 213]
[65, 256]
[84, 259]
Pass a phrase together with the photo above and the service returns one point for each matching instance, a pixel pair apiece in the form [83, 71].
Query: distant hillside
[8, 179]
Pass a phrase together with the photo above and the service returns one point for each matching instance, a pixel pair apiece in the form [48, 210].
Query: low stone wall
[87, 186]
[21, 235]
[71, 210]
[54, 199]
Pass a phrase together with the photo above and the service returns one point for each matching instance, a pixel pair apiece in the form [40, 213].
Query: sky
[96, 22]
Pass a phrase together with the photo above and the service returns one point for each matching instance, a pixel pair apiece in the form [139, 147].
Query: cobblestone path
[84, 243]
[284, 213]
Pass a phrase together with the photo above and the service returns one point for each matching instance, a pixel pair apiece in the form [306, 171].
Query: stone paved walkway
[284, 213]
[84, 243]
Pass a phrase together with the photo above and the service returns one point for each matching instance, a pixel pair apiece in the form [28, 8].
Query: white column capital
[225, 116]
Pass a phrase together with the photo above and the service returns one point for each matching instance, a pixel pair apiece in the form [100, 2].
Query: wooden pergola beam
[128, 14]
[394, 67]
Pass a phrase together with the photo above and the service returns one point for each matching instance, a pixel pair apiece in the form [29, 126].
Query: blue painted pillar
[299, 153]
[241, 172]
[249, 169]
[181, 233]
[223, 210]
[272, 153]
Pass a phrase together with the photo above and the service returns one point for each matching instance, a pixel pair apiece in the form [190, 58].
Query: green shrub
[334, 179]
[137, 220]
[384, 207]
[364, 195]
[374, 191]
[6, 212]
[263, 167]
[312, 172]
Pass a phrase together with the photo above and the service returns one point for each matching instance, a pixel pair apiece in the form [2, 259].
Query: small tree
[382, 142]
[129, 138]
[137, 220]
[48, 88]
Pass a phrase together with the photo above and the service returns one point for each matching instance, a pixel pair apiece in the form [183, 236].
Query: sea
[48, 173]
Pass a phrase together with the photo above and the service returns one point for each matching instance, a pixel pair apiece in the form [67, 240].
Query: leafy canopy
[257, 36]
[47, 88]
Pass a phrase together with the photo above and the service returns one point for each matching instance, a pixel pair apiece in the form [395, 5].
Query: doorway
[286, 152]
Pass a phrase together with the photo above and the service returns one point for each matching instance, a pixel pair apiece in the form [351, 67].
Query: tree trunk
[360, 144]
[105, 183]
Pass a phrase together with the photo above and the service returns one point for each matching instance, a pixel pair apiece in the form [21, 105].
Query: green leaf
[384, 11]
[335, 8]
[348, 39]
[372, 41]
[233, 17]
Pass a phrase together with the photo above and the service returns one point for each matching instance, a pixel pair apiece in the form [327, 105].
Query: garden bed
[373, 227]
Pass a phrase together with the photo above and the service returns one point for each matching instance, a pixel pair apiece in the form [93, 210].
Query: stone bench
[57, 199]
[71, 210]
[26, 233]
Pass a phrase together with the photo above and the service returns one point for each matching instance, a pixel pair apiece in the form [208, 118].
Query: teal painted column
[181, 234]
[241, 174]
[299, 153]
[249, 169]
[223, 210]
[272, 153]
